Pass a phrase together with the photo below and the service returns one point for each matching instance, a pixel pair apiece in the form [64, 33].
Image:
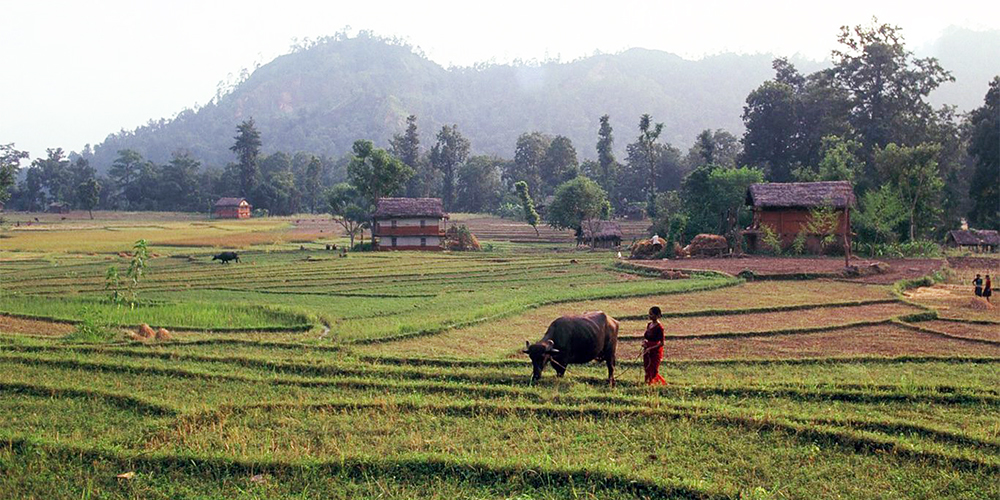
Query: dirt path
[772, 267]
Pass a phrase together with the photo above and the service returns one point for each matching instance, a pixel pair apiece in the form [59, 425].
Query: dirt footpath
[776, 267]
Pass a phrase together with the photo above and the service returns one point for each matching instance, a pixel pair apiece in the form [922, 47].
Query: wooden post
[847, 236]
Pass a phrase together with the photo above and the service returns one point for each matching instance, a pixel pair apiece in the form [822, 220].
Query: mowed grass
[363, 297]
[407, 383]
[322, 426]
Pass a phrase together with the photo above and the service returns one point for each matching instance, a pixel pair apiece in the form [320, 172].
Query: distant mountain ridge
[322, 98]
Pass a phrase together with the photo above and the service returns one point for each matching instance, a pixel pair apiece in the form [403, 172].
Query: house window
[393, 241]
[423, 241]
[423, 223]
[393, 222]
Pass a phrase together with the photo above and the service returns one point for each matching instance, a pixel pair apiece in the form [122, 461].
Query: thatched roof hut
[838, 194]
[605, 234]
[785, 210]
[974, 238]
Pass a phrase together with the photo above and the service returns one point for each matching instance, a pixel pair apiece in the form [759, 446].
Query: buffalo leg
[611, 370]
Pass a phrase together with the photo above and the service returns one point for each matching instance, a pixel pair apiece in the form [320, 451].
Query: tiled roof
[409, 207]
[229, 202]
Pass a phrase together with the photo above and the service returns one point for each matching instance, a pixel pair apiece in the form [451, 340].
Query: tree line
[916, 169]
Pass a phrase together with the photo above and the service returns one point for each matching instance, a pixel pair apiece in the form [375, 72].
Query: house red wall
[788, 223]
[242, 212]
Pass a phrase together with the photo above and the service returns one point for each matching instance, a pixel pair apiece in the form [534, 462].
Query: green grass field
[300, 374]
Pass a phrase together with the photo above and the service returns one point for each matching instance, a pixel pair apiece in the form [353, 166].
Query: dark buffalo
[576, 339]
[225, 257]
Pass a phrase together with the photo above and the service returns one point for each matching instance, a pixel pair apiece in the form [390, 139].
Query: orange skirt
[651, 362]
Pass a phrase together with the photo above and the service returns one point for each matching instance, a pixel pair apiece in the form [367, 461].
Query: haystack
[708, 245]
[163, 334]
[980, 304]
[647, 249]
[146, 331]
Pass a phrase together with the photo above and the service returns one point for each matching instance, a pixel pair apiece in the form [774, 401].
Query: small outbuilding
[58, 208]
[600, 234]
[409, 224]
[231, 208]
[974, 239]
[785, 209]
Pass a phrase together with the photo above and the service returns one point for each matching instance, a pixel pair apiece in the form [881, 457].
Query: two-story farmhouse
[409, 224]
[231, 208]
[785, 209]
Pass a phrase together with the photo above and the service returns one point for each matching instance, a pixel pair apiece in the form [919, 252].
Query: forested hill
[321, 99]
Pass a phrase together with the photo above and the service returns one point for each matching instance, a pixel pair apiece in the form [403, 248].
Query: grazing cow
[225, 257]
[576, 339]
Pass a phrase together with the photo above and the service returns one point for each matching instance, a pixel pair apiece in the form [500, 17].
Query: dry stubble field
[305, 375]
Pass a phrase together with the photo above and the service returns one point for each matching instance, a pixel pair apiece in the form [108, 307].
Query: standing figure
[978, 283]
[652, 348]
[988, 289]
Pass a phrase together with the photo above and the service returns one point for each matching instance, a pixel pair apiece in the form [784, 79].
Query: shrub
[918, 248]
[363, 247]
[799, 243]
[93, 328]
[770, 239]
[509, 211]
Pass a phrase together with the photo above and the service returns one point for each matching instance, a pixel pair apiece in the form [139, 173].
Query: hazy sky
[75, 71]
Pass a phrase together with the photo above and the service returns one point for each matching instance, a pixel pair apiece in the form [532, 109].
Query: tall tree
[55, 175]
[406, 147]
[179, 184]
[125, 172]
[576, 202]
[312, 184]
[881, 212]
[349, 209]
[913, 172]
[841, 162]
[648, 134]
[10, 165]
[247, 149]
[448, 153]
[984, 146]
[560, 163]
[529, 153]
[375, 173]
[527, 204]
[88, 195]
[478, 185]
[714, 148]
[887, 86]
[606, 155]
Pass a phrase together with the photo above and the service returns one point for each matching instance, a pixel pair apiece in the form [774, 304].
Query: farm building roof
[839, 194]
[603, 229]
[974, 237]
[409, 207]
[229, 202]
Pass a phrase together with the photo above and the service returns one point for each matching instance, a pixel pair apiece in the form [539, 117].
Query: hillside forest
[917, 169]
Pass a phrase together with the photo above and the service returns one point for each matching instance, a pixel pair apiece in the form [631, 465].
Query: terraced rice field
[304, 375]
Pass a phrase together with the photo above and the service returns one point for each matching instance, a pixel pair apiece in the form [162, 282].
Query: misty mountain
[321, 98]
[973, 57]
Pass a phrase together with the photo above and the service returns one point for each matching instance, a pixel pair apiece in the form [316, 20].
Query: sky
[76, 71]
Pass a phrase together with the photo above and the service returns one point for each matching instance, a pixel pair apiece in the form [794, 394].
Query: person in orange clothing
[652, 348]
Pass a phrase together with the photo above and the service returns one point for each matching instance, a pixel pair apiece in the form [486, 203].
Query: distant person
[988, 289]
[652, 348]
[978, 283]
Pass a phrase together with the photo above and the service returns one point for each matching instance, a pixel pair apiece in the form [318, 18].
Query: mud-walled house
[785, 209]
[409, 224]
[231, 208]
